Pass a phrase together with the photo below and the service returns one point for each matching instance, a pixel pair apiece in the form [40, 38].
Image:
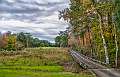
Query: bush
[10, 47]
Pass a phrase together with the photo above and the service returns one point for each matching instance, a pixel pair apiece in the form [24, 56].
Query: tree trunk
[116, 44]
[104, 41]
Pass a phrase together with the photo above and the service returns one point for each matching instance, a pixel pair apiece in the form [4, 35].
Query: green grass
[37, 62]
[14, 73]
[35, 68]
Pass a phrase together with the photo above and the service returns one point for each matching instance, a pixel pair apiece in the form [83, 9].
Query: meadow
[39, 62]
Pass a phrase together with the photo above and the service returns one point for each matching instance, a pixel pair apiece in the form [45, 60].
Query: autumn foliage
[8, 41]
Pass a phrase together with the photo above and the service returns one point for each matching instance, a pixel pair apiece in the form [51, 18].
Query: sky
[39, 17]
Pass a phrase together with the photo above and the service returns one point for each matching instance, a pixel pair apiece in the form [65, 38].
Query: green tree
[62, 39]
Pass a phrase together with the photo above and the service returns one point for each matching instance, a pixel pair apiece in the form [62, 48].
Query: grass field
[38, 62]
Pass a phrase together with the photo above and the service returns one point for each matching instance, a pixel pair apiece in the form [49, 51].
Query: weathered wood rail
[98, 69]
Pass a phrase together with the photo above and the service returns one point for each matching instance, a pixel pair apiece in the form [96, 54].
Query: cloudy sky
[39, 17]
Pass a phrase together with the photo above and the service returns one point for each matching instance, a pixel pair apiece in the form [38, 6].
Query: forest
[94, 29]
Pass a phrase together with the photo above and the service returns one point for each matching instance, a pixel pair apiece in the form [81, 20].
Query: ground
[39, 62]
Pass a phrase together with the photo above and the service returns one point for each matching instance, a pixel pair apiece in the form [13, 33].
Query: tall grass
[37, 62]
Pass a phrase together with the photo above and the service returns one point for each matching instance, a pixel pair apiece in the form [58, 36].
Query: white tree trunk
[116, 44]
[103, 38]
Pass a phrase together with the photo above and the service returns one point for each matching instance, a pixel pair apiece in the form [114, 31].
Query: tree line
[94, 29]
[18, 41]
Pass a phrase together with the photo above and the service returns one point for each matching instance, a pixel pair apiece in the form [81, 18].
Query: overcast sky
[39, 17]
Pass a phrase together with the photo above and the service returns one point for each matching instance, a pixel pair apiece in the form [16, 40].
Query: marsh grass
[37, 62]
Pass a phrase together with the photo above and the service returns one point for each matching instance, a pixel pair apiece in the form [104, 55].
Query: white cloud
[11, 1]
